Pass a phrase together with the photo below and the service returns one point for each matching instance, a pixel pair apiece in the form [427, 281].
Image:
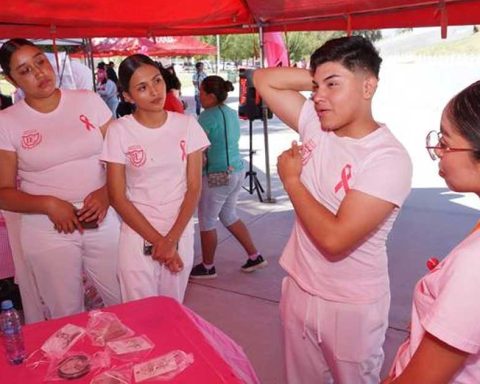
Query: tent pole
[55, 51]
[217, 69]
[269, 198]
[90, 61]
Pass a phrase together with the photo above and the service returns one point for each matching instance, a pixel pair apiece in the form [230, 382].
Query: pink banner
[275, 50]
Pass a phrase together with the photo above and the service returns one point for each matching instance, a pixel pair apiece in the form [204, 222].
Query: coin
[73, 367]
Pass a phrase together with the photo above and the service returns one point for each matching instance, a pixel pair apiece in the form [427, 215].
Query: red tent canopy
[183, 46]
[163, 46]
[93, 18]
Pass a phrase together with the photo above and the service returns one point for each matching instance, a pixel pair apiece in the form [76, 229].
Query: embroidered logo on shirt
[88, 125]
[183, 148]
[136, 155]
[30, 139]
[307, 149]
[345, 176]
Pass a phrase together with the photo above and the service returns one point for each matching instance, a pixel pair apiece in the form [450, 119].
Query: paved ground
[410, 97]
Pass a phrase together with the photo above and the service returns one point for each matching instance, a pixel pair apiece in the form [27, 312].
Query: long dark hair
[8, 49]
[128, 67]
[464, 112]
[217, 86]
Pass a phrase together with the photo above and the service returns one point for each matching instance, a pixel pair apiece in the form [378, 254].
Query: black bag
[220, 179]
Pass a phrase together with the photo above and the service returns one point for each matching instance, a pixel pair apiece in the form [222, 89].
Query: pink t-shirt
[155, 163]
[58, 152]
[446, 305]
[376, 164]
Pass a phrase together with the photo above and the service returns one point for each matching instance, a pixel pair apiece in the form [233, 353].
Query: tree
[235, 47]
[371, 34]
[301, 45]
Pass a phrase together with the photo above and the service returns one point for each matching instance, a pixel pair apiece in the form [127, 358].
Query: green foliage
[301, 45]
[371, 34]
[235, 47]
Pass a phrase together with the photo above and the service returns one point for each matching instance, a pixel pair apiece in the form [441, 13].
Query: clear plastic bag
[105, 326]
[133, 348]
[62, 340]
[163, 367]
[115, 375]
[74, 365]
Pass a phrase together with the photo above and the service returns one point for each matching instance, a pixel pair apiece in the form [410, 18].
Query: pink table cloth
[168, 324]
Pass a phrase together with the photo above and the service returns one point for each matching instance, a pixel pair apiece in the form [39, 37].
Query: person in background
[221, 125]
[347, 182]
[444, 341]
[197, 79]
[154, 163]
[108, 91]
[173, 103]
[5, 101]
[52, 140]
[111, 74]
[82, 75]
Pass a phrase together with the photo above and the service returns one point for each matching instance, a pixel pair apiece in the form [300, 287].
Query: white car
[229, 66]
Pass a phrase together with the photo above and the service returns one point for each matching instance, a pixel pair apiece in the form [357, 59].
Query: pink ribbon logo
[88, 124]
[346, 175]
[183, 147]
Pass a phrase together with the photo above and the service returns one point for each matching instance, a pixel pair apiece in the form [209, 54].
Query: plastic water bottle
[12, 333]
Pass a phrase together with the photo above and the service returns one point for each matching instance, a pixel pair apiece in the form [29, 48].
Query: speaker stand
[253, 182]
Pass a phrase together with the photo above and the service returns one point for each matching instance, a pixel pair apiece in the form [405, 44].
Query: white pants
[331, 342]
[58, 261]
[33, 307]
[141, 276]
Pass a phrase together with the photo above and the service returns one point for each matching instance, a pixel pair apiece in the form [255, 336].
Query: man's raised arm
[280, 89]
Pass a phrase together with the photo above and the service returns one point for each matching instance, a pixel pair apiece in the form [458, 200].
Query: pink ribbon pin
[88, 124]
[346, 175]
[183, 147]
[432, 263]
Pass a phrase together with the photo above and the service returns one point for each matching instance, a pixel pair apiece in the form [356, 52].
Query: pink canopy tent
[184, 46]
[93, 18]
[163, 46]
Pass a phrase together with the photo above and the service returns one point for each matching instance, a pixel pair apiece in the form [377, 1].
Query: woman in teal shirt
[221, 125]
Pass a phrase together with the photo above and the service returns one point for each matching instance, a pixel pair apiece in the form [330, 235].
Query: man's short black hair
[353, 52]
[198, 64]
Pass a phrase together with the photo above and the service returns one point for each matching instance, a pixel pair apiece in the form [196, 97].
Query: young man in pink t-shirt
[346, 182]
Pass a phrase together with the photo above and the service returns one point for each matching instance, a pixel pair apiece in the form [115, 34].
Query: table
[168, 324]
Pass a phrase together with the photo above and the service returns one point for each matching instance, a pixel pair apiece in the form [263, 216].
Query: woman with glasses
[444, 342]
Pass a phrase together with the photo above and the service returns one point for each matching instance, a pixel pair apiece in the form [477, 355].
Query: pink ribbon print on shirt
[345, 176]
[31, 138]
[88, 125]
[307, 150]
[136, 155]
[183, 148]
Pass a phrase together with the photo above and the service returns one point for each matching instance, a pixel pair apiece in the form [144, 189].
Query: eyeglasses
[436, 148]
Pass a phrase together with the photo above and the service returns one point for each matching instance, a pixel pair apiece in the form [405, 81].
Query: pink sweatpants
[141, 276]
[330, 342]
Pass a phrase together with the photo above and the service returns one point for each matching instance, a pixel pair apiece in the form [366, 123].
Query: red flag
[275, 50]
